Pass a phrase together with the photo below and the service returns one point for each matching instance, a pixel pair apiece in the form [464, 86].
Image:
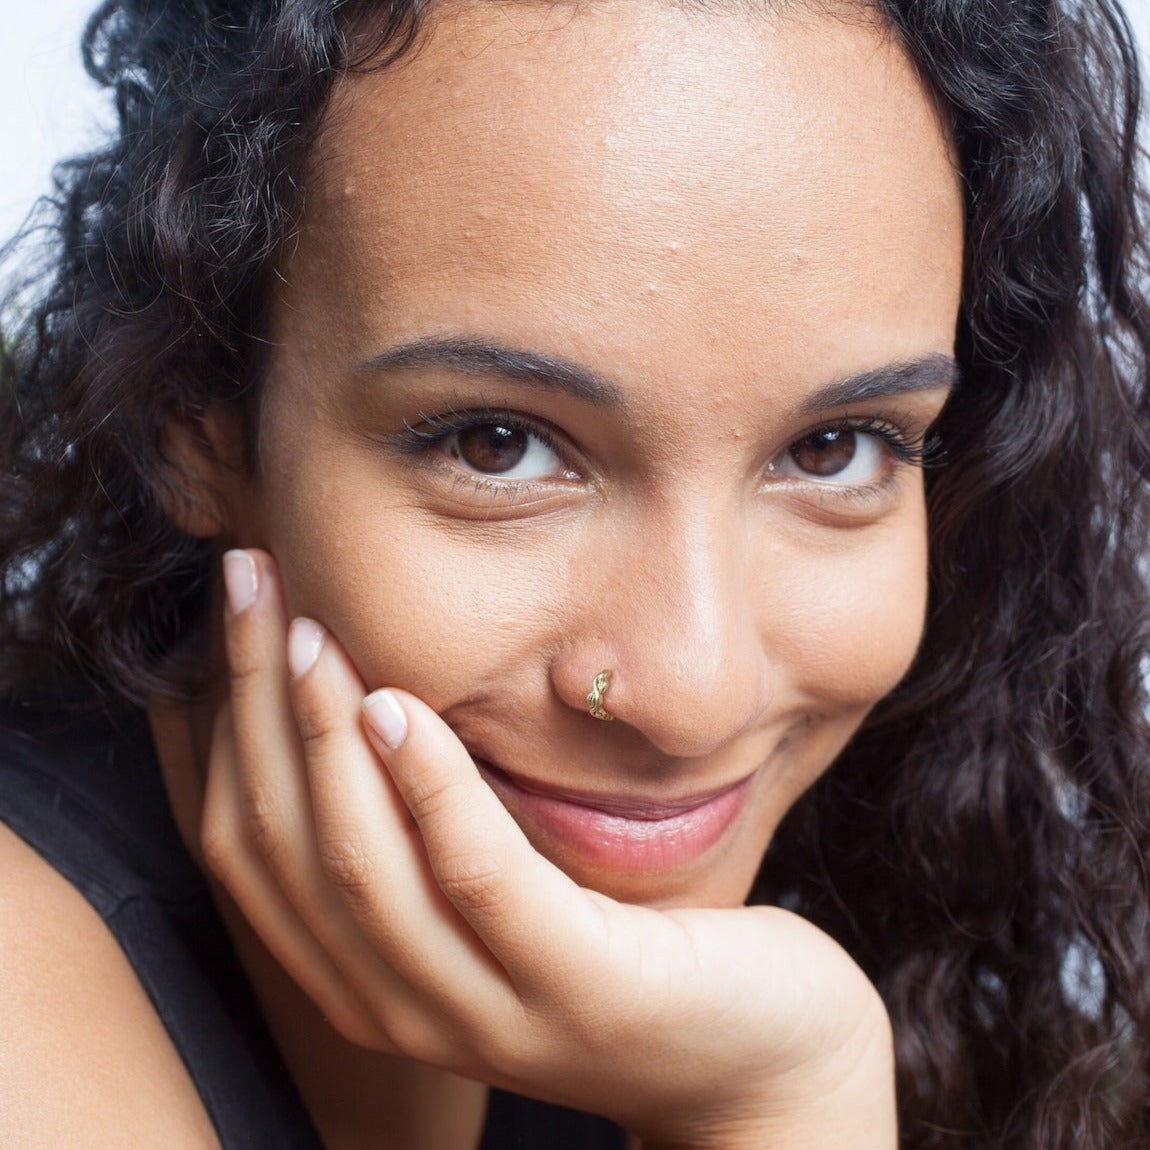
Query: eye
[501, 448]
[844, 456]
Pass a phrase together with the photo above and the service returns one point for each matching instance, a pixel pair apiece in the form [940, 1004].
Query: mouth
[615, 832]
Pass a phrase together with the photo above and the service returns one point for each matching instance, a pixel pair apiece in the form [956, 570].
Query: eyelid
[431, 430]
[904, 443]
[907, 440]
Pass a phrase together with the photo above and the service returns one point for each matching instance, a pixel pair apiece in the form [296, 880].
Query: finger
[510, 894]
[257, 822]
[267, 752]
[259, 897]
[373, 856]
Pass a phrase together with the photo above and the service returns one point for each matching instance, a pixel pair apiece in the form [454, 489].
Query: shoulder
[85, 1061]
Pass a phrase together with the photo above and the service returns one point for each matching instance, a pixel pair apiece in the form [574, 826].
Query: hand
[364, 847]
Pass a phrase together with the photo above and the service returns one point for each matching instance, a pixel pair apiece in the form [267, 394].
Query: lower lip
[622, 842]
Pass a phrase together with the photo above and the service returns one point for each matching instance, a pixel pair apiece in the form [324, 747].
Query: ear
[206, 473]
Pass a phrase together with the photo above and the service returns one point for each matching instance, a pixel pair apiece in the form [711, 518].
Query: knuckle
[244, 662]
[432, 1034]
[406, 1029]
[474, 884]
[216, 848]
[428, 800]
[218, 837]
[317, 726]
[349, 867]
[348, 1018]
[264, 823]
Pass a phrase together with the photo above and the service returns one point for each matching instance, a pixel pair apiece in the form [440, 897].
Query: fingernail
[386, 718]
[305, 641]
[241, 581]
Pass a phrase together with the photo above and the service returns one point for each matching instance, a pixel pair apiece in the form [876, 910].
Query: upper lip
[623, 806]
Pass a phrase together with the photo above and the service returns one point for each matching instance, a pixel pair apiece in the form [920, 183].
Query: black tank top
[87, 795]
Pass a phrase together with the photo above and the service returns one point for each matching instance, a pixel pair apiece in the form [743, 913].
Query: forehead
[631, 176]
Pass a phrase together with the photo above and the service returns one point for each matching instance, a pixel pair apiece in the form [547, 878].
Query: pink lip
[621, 833]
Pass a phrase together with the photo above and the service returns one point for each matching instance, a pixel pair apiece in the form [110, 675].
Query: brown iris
[825, 453]
[490, 447]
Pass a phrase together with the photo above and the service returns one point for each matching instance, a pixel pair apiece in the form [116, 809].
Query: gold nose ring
[595, 698]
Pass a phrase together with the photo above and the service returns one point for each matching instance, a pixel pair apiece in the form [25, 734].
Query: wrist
[845, 1100]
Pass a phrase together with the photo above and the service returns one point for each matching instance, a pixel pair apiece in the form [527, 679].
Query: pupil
[826, 452]
[491, 447]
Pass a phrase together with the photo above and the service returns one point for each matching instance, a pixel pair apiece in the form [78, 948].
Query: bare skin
[719, 227]
[73, 1016]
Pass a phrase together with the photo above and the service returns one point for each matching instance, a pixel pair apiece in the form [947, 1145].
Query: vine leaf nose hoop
[595, 698]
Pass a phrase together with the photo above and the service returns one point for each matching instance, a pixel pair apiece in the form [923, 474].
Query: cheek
[415, 603]
[852, 629]
[859, 616]
[438, 619]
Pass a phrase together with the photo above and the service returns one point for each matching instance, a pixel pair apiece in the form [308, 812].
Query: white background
[49, 108]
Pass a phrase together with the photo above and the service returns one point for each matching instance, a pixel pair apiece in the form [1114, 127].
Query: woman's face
[608, 342]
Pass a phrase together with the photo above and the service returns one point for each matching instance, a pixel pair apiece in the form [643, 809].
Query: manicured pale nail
[241, 580]
[305, 641]
[386, 718]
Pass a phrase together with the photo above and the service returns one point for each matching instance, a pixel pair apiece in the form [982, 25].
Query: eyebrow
[929, 373]
[495, 361]
[488, 360]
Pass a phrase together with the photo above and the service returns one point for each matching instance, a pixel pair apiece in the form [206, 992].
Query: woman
[510, 452]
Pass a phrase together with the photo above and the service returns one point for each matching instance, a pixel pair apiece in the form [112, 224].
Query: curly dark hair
[981, 846]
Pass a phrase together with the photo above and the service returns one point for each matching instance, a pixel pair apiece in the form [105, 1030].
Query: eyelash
[431, 430]
[906, 447]
[914, 450]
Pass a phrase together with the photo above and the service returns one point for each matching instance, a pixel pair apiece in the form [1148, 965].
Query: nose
[671, 610]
